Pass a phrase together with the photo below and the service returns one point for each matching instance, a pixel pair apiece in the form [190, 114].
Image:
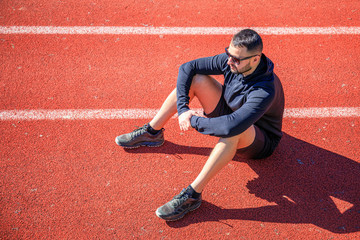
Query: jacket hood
[265, 68]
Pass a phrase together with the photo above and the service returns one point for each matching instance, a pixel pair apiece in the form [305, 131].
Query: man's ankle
[152, 130]
[194, 194]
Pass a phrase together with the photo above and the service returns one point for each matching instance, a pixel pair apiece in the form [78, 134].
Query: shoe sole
[193, 208]
[141, 144]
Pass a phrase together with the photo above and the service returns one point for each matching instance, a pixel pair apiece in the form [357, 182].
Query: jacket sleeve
[207, 66]
[258, 101]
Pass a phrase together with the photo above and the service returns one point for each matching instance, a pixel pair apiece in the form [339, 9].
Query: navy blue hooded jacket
[255, 99]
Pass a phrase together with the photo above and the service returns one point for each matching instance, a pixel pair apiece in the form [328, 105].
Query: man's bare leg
[205, 88]
[224, 151]
[188, 200]
[167, 110]
[222, 154]
[146, 136]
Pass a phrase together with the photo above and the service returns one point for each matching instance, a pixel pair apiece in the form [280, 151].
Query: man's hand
[184, 119]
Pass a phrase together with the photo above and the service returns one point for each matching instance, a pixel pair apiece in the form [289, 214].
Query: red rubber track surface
[187, 13]
[69, 180]
[98, 71]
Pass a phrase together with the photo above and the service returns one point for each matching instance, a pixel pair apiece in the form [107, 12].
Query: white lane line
[326, 112]
[117, 30]
[93, 114]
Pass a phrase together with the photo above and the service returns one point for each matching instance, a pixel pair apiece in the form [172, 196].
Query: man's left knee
[247, 137]
[242, 140]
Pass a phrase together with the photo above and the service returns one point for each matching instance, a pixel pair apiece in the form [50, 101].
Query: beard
[242, 70]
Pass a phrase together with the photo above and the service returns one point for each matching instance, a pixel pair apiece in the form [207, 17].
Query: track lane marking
[111, 114]
[124, 30]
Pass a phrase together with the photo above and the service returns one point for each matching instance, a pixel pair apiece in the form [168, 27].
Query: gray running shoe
[140, 137]
[179, 206]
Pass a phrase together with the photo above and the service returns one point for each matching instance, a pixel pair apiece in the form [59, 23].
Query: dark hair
[248, 38]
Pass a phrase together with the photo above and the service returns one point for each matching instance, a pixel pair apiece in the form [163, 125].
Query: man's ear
[256, 59]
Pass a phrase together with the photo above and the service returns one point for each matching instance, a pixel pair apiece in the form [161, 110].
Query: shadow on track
[309, 185]
[172, 149]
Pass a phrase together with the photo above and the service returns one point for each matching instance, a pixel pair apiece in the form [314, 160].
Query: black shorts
[262, 147]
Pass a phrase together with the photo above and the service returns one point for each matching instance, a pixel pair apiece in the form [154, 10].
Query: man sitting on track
[246, 113]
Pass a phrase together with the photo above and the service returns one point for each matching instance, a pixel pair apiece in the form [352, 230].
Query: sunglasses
[235, 59]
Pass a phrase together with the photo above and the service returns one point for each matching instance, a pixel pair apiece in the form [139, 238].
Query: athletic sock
[151, 130]
[193, 193]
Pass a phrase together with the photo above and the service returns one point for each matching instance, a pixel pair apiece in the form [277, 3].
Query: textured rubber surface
[67, 179]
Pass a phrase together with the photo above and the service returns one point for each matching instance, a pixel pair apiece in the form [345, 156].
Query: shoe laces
[180, 198]
[139, 131]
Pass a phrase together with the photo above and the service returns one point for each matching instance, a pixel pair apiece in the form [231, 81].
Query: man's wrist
[184, 109]
[193, 120]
